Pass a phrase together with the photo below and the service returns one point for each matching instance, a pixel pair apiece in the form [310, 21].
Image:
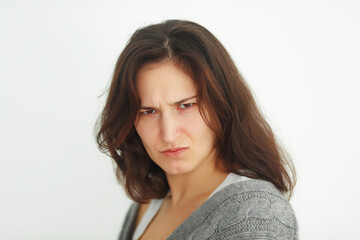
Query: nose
[170, 128]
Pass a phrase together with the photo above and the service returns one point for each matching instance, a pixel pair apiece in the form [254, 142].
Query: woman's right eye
[148, 112]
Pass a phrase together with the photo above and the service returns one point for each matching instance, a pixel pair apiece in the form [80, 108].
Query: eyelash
[187, 106]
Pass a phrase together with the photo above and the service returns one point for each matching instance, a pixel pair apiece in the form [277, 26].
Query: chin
[177, 169]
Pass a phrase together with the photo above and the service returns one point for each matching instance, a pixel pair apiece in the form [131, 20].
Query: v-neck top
[155, 204]
[238, 208]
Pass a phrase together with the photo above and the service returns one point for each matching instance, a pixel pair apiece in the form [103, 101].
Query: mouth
[174, 152]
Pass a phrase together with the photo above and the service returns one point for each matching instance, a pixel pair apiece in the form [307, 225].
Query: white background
[301, 59]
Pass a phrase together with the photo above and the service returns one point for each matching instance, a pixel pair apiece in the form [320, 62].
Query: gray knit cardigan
[252, 209]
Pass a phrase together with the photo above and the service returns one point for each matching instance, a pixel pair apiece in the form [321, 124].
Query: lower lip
[174, 153]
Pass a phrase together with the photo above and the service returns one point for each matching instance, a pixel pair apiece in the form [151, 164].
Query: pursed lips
[174, 152]
[173, 149]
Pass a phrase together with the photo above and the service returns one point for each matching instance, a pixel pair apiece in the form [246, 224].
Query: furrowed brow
[173, 104]
[182, 100]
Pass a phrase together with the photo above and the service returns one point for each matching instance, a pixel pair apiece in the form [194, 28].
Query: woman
[191, 146]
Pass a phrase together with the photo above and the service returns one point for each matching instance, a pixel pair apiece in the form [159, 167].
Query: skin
[165, 121]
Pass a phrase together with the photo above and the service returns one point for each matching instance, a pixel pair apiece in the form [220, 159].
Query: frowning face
[169, 123]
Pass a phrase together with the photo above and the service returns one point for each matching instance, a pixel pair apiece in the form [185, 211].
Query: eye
[148, 112]
[186, 105]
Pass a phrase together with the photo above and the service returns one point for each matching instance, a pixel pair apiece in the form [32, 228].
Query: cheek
[200, 132]
[148, 131]
[145, 132]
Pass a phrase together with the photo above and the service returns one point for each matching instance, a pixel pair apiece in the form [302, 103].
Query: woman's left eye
[186, 105]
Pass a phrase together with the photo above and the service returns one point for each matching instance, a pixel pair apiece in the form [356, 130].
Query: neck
[197, 184]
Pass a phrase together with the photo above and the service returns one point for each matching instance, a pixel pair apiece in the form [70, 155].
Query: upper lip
[173, 149]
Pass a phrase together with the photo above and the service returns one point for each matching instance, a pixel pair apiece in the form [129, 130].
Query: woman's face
[169, 123]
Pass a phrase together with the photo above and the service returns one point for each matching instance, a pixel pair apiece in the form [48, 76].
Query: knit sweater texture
[252, 209]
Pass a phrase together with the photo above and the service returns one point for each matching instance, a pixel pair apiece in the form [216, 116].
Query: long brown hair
[245, 143]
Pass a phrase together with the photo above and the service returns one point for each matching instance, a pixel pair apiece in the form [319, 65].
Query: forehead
[163, 81]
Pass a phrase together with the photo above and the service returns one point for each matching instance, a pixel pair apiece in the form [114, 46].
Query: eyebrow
[172, 104]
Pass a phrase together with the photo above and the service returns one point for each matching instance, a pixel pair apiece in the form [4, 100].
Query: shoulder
[133, 217]
[129, 222]
[254, 208]
[141, 212]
